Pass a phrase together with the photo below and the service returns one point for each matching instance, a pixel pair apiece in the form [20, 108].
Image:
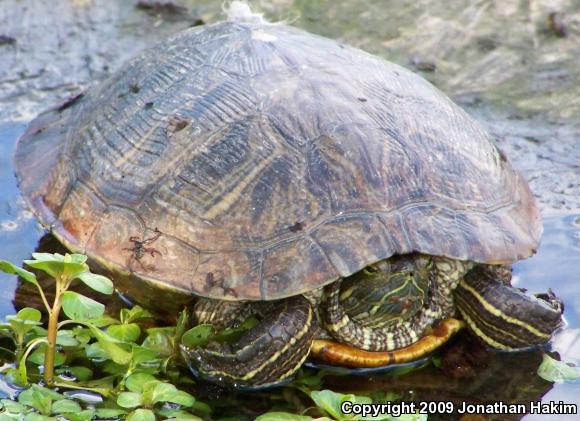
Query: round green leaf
[159, 341]
[553, 370]
[164, 392]
[149, 389]
[28, 313]
[115, 350]
[130, 315]
[37, 357]
[110, 412]
[143, 355]
[66, 338]
[86, 415]
[129, 400]
[95, 351]
[24, 321]
[21, 327]
[180, 397]
[78, 258]
[141, 415]
[82, 334]
[55, 396]
[8, 267]
[55, 265]
[135, 382]
[331, 401]
[79, 307]
[36, 399]
[96, 282]
[12, 406]
[125, 333]
[65, 405]
[197, 336]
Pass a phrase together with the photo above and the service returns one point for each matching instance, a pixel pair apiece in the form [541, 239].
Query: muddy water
[511, 64]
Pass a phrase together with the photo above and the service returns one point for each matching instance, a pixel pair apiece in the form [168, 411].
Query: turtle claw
[551, 299]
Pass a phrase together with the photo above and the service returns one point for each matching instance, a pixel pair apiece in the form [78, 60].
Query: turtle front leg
[502, 316]
[267, 354]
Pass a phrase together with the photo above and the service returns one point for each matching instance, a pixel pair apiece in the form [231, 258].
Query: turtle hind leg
[502, 316]
[267, 354]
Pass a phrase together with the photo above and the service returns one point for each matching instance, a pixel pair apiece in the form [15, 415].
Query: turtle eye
[370, 270]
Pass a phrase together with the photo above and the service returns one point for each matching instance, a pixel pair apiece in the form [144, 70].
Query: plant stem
[52, 332]
[19, 340]
[22, 371]
[44, 300]
[8, 351]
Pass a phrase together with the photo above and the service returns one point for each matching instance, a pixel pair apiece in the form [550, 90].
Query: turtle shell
[272, 161]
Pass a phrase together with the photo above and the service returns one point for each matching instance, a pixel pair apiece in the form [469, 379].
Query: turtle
[343, 201]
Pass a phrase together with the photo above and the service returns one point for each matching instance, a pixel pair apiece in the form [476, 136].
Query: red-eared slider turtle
[269, 170]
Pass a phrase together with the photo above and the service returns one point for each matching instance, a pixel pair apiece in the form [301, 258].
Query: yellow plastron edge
[335, 353]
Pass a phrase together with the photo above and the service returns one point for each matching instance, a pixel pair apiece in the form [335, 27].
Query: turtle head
[395, 288]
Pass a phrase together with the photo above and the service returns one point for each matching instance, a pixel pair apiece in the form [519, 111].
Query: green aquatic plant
[40, 403]
[94, 365]
[79, 308]
[556, 371]
[133, 363]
